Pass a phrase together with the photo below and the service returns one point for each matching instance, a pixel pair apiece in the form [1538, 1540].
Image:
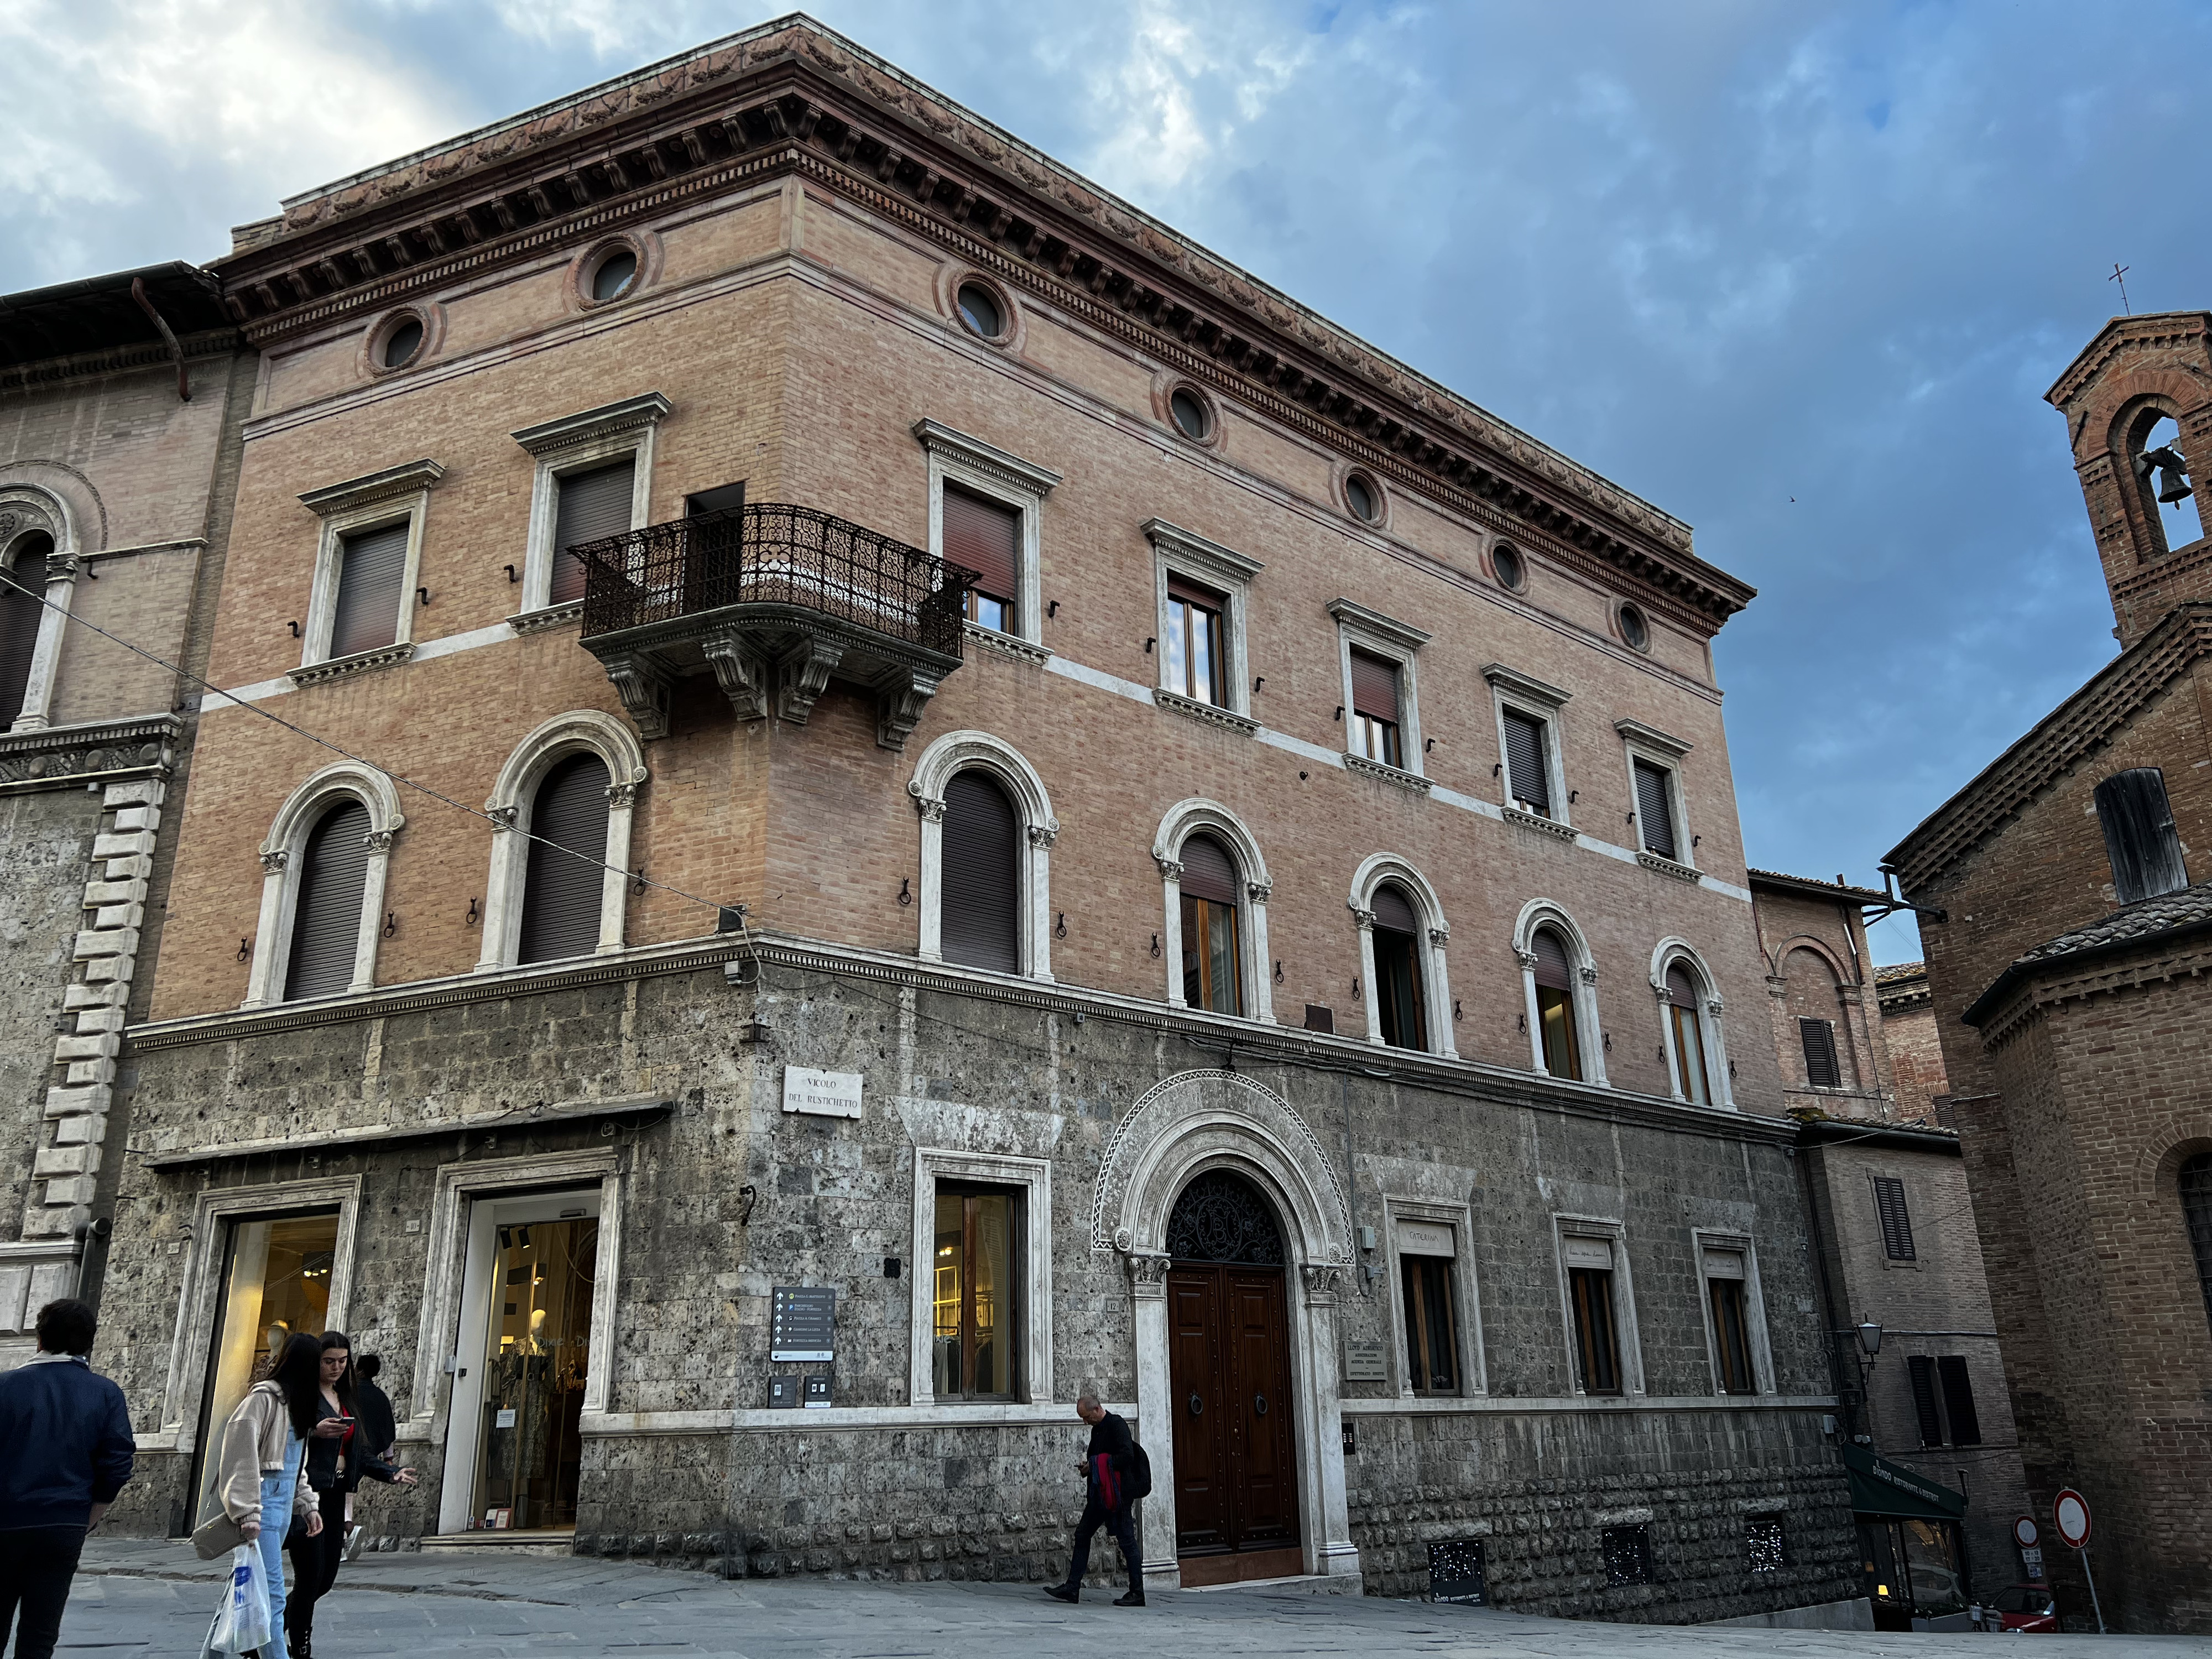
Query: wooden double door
[1236, 1462]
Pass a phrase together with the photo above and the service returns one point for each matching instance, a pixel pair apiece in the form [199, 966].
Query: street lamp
[1871, 1338]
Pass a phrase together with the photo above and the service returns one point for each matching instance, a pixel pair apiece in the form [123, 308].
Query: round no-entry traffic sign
[2025, 1533]
[2071, 1512]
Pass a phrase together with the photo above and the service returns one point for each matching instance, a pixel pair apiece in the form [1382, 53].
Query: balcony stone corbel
[739, 670]
[901, 697]
[644, 685]
[806, 668]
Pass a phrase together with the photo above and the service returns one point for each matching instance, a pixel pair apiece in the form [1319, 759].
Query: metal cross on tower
[2120, 275]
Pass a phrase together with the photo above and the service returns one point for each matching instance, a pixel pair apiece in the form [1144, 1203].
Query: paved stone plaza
[154, 1600]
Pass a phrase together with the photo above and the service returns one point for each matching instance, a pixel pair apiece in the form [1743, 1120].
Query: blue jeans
[276, 1491]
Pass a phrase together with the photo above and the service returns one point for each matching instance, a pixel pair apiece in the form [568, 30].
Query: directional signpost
[2071, 1514]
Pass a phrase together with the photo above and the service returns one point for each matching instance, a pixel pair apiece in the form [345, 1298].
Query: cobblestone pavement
[150, 1600]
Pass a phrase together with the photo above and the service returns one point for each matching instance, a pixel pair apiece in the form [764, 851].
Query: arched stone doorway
[1195, 1134]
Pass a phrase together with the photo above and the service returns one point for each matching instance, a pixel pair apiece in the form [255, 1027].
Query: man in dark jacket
[65, 1450]
[1106, 1467]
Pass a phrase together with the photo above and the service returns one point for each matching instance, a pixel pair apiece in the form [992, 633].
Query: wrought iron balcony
[776, 601]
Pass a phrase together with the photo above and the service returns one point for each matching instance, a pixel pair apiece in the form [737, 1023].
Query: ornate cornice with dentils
[791, 96]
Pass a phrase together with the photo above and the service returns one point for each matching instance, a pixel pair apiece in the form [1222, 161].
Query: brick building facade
[2063, 974]
[1273, 947]
[120, 400]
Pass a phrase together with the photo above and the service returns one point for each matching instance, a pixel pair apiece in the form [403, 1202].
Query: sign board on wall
[1364, 1362]
[802, 1323]
[1425, 1238]
[822, 1094]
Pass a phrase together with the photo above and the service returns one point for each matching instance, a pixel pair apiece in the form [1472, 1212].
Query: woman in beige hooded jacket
[263, 1463]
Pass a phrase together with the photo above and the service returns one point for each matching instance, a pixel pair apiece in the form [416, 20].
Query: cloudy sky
[1799, 272]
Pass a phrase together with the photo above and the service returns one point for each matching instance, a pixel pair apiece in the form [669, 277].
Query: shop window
[1763, 1544]
[1628, 1554]
[1398, 970]
[981, 910]
[1432, 1337]
[536, 1362]
[1726, 1300]
[1196, 652]
[326, 921]
[1553, 974]
[1597, 1332]
[564, 888]
[985, 535]
[2140, 837]
[2193, 1185]
[1211, 977]
[20, 616]
[1817, 1037]
[1913, 1571]
[276, 1284]
[972, 1296]
[1896, 1221]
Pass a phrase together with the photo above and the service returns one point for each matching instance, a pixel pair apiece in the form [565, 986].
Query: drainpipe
[168, 337]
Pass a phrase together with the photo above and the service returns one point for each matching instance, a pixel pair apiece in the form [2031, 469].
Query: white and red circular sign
[2071, 1512]
[2025, 1533]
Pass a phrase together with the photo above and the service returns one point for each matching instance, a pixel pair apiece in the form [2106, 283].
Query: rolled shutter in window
[21, 613]
[979, 916]
[1654, 816]
[1374, 687]
[562, 892]
[1208, 871]
[372, 571]
[985, 537]
[327, 916]
[1394, 910]
[1525, 774]
[1958, 1400]
[2140, 837]
[1553, 970]
[1191, 593]
[592, 505]
[1682, 989]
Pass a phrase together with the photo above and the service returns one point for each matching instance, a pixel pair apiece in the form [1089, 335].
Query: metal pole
[2091, 1577]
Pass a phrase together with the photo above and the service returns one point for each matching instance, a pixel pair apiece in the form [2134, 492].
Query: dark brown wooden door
[1229, 1364]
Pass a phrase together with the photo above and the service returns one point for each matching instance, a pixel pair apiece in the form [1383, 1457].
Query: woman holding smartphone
[335, 1466]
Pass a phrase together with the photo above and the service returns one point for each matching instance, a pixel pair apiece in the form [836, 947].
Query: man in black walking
[1107, 1468]
[65, 1450]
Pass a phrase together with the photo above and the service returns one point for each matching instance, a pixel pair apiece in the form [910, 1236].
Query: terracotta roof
[1809, 887]
[2186, 910]
[1900, 970]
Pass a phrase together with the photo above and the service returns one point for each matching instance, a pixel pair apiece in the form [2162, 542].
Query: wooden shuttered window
[20, 614]
[1528, 778]
[1374, 687]
[1896, 1222]
[590, 505]
[1958, 1400]
[562, 892]
[2140, 837]
[1922, 1370]
[1655, 815]
[979, 916]
[371, 578]
[326, 915]
[1823, 1069]
[985, 535]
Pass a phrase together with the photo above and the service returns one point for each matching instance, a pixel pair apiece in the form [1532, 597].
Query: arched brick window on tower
[981, 909]
[563, 891]
[21, 615]
[2161, 470]
[326, 923]
[1814, 996]
[2195, 1183]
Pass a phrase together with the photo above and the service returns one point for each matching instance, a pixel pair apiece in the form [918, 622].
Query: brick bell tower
[2138, 407]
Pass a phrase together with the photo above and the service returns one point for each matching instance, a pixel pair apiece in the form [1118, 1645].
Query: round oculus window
[1506, 561]
[401, 342]
[1192, 418]
[613, 276]
[1365, 504]
[1634, 629]
[980, 308]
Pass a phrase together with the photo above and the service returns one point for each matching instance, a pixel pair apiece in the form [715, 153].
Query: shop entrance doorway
[513, 1449]
[1235, 1466]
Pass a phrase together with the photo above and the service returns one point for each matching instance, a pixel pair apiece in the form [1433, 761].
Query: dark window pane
[614, 275]
[1431, 1349]
[1958, 1400]
[404, 340]
[1921, 1371]
[1597, 1351]
[980, 308]
[2195, 1189]
[21, 615]
[1398, 988]
[973, 1341]
[1730, 1336]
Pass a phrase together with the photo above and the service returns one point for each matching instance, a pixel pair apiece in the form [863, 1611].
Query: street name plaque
[802, 1323]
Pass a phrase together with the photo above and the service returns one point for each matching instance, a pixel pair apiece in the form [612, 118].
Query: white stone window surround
[199, 1300]
[577, 443]
[584, 730]
[1655, 748]
[1625, 1338]
[1032, 1178]
[955, 752]
[281, 854]
[1525, 695]
[1191, 816]
[1589, 1036]
[1193, 557]
[991, 473]
[396, 495]
[1393, 642]
[1435, 934]
[1664, 956]
[1754, 1305]
[440, 1336]
[25, 511]
[1467, 1300]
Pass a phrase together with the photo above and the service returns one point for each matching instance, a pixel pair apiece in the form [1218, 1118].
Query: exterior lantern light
[1871, 1338]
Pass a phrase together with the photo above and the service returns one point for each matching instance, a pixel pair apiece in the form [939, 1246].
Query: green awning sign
[1881, 1487]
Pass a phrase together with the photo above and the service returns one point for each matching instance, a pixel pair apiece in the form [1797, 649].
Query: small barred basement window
[1456, 1572]
[1762, 1544]
[1628, 1554]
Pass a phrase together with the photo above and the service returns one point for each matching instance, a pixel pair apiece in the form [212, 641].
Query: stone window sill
[1667, 867]
[546, 619]
[1006, 645]
[1363, 766]
[359, 663]
[1209, 713]
[1542, 826]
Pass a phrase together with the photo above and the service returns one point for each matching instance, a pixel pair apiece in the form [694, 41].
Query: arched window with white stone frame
[1559, 977]
[1690, 1026]
[322, 887]
[1402, 936]
[38, 557]
[1214, 889]
[564, 803]
[1005, 782]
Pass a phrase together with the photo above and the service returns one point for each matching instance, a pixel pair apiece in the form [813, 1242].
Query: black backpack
[1140, 1472]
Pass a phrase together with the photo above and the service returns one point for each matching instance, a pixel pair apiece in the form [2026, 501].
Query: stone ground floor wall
[660, 1084]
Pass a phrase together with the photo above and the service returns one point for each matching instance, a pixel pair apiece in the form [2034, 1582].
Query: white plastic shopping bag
[242, 1623]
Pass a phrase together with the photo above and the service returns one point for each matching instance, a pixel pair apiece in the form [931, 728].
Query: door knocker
[1197, 1407]
[1260, 1405]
